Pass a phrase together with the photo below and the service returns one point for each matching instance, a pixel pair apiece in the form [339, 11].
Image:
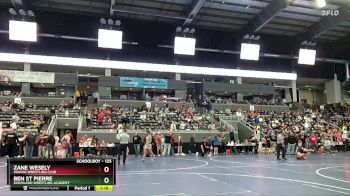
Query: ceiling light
[193, 30]
[138, 66]
[110, 22]
[30, 13]
[22, 12]
[22, 31]
[12, 11]
[110, 39]
[185, 46]
[250, 51]
[307, 56]
[103, 21]
[321, 3]
[178, 29]
[117, 22]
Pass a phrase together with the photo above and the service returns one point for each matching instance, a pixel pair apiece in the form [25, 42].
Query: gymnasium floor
[237, 175]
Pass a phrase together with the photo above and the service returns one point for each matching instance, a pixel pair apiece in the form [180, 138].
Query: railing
[143, 131]
[236, 118]
[80, 123]
[231, 117]
[228, 127]
[52, 125]
[251, 127]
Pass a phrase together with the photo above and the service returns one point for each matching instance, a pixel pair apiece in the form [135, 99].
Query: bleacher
[140, 119]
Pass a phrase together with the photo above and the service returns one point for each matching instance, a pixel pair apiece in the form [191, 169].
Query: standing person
[313, 142]
[29, 143]
[88, 119]
[204, 147]
[232, 136]
[147, 148]
[216, 145]
[179, 145]
[77, 96]
[172, 141]
[292, 141]
[21, 145]
[41, 143]
[167, 143]
[159, 144]
[173, 126]
[51, 141]
[192, 144]
[67, 141]
[95, 96]
[281, 146]
[123, 139]
[137, 143]
[11, 140]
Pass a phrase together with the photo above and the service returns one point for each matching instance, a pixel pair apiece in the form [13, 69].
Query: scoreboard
[83, 174]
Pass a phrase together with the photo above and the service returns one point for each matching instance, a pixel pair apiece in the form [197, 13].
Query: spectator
[137, 142]
[167, 143]
[179, 145]
[67, 141]
[204, 147]
[232, 136]
[88, 119]
[192, 144]
[216, 144]
[77, 96]
[29, 144]
[51, 146]
[173, 126]
[11, 140]
[41, 143]
[159, 144]
[313, 142]
[15, 118]
[292, 141]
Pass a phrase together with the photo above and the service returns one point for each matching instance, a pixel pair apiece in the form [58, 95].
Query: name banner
[27, 76]
[133, 82]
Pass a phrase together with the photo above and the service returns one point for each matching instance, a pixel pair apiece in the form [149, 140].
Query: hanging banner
[27, 76]
[133, 82]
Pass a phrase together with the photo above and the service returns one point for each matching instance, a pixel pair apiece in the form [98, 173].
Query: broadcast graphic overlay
[61, 175]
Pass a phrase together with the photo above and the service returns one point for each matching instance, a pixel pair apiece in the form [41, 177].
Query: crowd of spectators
[24, 126]
[252, 100]
[222, 100]
[309, 129]
[9, 93]
[149, 117]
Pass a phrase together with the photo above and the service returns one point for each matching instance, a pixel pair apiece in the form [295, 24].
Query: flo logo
[330, 12]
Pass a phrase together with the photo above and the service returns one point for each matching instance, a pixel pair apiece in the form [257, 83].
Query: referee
[123, 139]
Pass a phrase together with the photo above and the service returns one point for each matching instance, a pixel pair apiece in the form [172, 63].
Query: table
[233, 146]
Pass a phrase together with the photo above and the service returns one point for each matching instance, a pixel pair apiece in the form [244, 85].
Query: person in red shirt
[313, 141]
[159, 144]
[100, 119]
